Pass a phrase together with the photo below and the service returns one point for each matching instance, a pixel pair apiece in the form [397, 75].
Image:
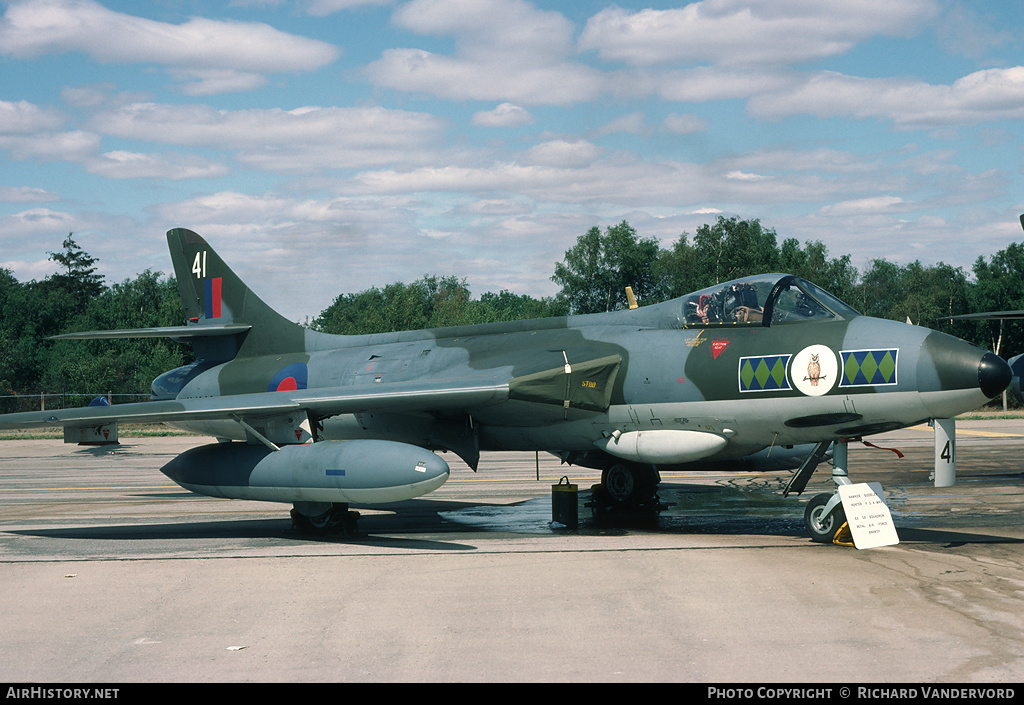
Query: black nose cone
[993, 375]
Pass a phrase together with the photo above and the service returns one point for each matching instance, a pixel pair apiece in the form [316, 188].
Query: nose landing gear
[824, 515]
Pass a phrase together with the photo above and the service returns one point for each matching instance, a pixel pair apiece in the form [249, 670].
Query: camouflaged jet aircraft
[323, 421]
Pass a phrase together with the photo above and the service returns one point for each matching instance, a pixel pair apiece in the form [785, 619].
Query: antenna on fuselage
[632, 299]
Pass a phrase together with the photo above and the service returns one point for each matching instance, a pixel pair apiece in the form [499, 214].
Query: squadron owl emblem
[814, 370]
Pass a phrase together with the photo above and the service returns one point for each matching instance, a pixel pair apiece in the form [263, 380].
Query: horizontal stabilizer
[179, 332]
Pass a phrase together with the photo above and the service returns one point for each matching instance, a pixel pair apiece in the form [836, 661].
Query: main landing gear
[324, 518]
[627, 490]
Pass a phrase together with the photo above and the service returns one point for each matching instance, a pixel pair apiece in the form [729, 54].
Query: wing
[583, 386]
[433, 395]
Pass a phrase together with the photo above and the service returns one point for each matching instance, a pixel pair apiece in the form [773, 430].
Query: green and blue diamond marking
[868, 368]
[764, 373]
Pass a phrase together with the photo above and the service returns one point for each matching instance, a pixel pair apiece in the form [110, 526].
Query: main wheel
[630, 485]
[821, 528]
[336, 520]
[619, 483]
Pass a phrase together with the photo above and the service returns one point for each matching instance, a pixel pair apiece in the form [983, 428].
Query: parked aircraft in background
[324, 421]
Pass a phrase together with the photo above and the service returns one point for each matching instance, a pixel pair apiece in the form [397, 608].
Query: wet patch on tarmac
[691, 509]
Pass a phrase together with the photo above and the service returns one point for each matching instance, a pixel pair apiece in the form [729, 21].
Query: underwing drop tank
[357, 471]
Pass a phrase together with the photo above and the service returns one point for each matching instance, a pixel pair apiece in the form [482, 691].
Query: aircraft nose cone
[994, 375]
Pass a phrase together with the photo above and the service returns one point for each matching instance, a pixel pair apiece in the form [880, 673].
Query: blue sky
[328, 146]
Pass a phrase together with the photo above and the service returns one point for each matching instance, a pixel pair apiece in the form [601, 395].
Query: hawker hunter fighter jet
[324, 421]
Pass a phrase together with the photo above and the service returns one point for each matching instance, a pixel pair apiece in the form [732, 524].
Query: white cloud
[708, 83]
[563, 154]
[217, 81]
[992, 94]
[458, 78]
[746, 32]
[31, 28]
[632, 123]
[303, 139]
[131, 165]
[505, 50]
[505, 115]
[684, 124]
[966, 31]
[491, 28]
[321, 8]
[63, 146]
[862, 206]
[494, 207]
[26, 194]
[24, 117]
[34, 222]
[743, 176]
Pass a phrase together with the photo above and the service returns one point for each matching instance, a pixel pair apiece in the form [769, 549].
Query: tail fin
[213, 294]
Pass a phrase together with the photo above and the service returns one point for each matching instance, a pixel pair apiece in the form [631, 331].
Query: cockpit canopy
[763, 300]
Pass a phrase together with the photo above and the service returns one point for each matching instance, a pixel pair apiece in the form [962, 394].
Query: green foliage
[837, 276]
[924, 295]
[395, 307]
[506, 306]
[75, 299]
[147, 301]
[430, 302]
[1000, 287]
[79, 279]
[597, 270]
[734, 248]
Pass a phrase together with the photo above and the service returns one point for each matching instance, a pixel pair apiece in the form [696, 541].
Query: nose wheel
[824, 517]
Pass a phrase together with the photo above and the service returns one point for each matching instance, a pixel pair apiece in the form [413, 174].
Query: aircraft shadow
[688, 510]
[240, 529]
[951, 538]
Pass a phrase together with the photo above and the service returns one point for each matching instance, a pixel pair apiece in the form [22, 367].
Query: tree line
[77, 299]
[592, 277]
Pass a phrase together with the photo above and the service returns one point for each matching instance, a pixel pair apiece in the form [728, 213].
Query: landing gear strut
[324, 518]
[824, 516]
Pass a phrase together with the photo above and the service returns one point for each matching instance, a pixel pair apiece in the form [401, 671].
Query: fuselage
[794, 366]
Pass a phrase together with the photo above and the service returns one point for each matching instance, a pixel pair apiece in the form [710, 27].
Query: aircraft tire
[336, 520]
[823, 529]
[619, 483]
[626, 484]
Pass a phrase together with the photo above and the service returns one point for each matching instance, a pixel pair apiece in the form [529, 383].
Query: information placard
[868, 515]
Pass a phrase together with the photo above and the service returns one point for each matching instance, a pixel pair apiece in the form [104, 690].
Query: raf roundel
[290, 378]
